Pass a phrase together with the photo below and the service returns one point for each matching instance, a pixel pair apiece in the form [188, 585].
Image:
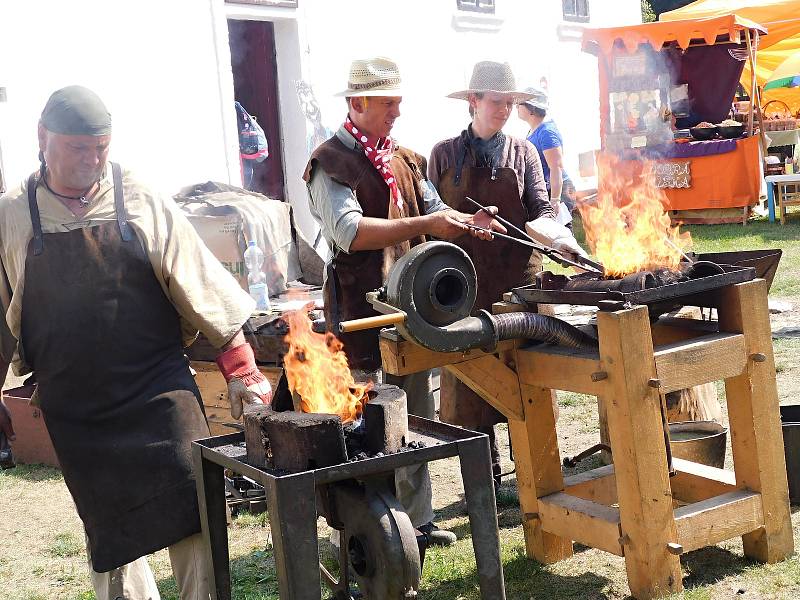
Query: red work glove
[246, 384]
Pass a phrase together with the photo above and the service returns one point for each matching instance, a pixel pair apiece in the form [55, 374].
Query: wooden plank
[598, 485]
[538, 466]
[584, 521]
[694, 482]
[716, 519]
[490, 378]
[640, 459]
[402, 357]
[560, 369]
[214, 392]
[754, 418]
[499, 308]
[708, 358]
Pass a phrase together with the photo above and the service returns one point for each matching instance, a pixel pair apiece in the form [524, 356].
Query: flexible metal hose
[543, 328]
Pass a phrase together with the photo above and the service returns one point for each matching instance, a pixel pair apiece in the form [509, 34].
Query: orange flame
[317, 369]
[627, 228]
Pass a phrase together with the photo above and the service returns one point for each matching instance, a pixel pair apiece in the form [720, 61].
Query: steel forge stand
[633, 508]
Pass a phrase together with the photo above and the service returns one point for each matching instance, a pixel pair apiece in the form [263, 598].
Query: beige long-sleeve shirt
[206, 297]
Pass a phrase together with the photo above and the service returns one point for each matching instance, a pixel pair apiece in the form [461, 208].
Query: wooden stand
[633, 508]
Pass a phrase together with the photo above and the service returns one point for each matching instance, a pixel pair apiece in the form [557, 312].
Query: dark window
[576, 10]
[484, 6]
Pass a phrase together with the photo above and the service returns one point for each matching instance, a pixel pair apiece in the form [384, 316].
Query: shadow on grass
[524, 578]
[32, 473]
[711, 564]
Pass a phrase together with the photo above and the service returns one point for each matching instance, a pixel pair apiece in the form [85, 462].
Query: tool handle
[371, 322]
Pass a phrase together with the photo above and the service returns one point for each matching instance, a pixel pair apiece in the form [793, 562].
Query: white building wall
[154, 64]
[163, 68]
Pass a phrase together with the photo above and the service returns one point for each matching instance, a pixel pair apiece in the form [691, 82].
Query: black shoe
[436, 536]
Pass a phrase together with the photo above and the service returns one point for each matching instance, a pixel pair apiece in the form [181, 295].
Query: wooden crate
[33, 443]
[214, 392]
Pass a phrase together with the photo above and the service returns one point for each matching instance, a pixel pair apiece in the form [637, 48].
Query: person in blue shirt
[544, 135]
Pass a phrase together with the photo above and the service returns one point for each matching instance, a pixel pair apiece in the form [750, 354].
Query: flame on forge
[316, 368]
[627, 228]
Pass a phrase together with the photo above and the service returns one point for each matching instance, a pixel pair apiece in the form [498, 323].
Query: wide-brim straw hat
[538, 98]
[373, 77]
[489, 76]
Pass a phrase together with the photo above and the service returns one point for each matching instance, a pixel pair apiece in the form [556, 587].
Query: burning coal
[627, 227]
[317, 370]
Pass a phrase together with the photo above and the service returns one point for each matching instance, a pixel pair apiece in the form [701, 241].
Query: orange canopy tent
[741, 184]
[780, 17]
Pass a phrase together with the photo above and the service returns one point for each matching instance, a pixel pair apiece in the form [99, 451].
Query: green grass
[66, 544]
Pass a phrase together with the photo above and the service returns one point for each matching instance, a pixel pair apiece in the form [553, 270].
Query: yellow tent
[781, 18]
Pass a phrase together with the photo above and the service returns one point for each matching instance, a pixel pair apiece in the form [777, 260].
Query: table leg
[771, 201]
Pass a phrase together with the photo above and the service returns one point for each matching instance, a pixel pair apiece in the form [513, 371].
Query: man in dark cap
[104, 283]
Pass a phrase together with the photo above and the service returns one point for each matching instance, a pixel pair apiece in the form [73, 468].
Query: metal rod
[505, 222]
[551, 252]
[676, 247]
[583, 261]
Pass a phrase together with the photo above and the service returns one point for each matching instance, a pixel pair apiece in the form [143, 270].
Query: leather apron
[499, 264]
[115, 388]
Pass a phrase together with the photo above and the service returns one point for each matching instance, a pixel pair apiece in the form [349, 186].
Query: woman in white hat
[493, 168]
[544, 135]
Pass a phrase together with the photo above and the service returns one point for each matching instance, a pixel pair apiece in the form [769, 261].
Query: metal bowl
[730, 132]
[703, 133]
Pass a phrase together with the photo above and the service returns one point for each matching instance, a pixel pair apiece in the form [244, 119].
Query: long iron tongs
[582, 262]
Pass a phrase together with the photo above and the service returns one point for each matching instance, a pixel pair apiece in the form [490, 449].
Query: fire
[317, 370]
[627, 228]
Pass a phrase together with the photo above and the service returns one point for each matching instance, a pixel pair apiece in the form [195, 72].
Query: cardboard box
[33, 443]
[222, 233]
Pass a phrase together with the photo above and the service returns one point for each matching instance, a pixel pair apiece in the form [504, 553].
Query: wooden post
[633, 410]
[538, 466]
[755, 422]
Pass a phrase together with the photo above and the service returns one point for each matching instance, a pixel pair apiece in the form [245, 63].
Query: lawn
[43, 555]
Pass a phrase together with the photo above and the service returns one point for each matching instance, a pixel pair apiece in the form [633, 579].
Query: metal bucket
[790, 424]
[699, 441]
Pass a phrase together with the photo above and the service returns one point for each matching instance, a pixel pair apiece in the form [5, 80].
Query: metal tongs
[580, 262]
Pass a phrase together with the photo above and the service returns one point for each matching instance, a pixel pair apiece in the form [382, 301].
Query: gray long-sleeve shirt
[335, 207]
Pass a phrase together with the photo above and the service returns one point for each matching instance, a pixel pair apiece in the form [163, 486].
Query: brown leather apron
[499, 264]
[118, 399]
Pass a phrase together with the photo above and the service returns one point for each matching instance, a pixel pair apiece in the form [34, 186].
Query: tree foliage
[648, 16]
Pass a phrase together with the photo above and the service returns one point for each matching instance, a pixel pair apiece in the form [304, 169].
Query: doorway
[255, 86]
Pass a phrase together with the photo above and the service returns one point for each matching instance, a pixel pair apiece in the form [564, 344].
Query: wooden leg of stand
[639, 452]
[754, 418]
[538, 467]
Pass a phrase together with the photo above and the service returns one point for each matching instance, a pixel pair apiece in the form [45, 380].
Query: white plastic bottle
[256, 279]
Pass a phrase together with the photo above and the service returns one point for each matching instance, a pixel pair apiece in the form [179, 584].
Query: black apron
[115, 388]
[500, 265]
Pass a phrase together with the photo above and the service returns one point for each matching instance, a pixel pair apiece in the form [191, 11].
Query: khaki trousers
[135, 580]
[412, 484]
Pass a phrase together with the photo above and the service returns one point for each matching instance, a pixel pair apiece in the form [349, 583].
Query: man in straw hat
[104, 282]
[485, 164]
[373, 202]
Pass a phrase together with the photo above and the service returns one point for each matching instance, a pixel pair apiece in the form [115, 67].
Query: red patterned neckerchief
[379, 151]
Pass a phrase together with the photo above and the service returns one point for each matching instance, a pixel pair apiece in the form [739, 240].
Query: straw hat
[488, 76]
[538, 98]
[373, 77]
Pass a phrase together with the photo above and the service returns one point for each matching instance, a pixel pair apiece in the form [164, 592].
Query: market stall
[665, 98]
[777, 65]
